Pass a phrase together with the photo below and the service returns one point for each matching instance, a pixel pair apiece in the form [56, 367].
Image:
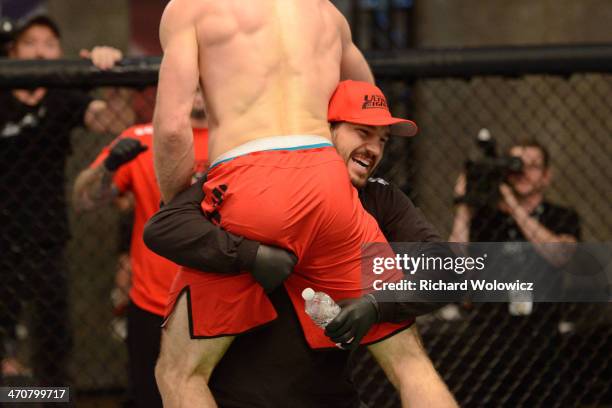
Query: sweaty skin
[267, 68]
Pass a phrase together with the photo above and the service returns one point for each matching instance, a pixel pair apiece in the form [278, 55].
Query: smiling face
[361, 147]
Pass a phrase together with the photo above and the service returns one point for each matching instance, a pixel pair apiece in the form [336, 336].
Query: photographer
[522, 213]
[518, 211]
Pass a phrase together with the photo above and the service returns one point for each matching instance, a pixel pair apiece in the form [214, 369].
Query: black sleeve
[180, 232]
[397, 217]
[401, 221]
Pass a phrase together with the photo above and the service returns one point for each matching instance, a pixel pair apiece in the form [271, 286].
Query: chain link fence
[59, 266]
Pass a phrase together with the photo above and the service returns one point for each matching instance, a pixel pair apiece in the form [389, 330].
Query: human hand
[122, 152]
[103, 57]
[508, 198]
[355, 319]
[272, 266]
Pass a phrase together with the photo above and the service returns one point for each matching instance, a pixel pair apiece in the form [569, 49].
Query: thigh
[190, 355]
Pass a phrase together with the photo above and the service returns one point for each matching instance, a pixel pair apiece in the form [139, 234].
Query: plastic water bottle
[320, 307]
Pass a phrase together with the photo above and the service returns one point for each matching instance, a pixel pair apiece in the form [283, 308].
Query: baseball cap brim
[397, 126]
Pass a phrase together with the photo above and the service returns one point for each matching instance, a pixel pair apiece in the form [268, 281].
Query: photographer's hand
[509, 200]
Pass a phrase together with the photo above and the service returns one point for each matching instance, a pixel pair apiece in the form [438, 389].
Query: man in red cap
[275, 175]
[360, 125]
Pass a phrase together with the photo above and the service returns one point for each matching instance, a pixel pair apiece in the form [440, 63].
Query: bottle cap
[308, 294]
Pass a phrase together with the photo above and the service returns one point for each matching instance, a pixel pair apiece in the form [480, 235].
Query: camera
[486, 172]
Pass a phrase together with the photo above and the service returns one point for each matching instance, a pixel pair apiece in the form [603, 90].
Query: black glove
[122, 152]
[272, 266]
[353, 322]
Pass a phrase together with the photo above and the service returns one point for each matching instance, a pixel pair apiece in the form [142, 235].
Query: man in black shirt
[522, 214]
[273, 366]
[35, 128]
[529, 329]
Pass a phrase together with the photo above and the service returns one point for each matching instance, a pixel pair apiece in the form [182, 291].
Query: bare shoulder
[180, 15]
[184, 11]
[338, 18]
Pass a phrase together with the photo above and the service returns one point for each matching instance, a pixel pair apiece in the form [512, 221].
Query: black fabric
[398, 218]
[143, 343]
[492, 225]
[274, 367]
[179, 232]
[23, 282]
[34, 146]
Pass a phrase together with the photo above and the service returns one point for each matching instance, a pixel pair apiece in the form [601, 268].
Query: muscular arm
[179, 231]
[178, 83]
[353, 64]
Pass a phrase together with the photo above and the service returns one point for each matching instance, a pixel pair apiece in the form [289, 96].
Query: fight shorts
[292, 192]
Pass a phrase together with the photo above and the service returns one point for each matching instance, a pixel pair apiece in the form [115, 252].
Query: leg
[408, 367]
[144, 335]
[185, 365]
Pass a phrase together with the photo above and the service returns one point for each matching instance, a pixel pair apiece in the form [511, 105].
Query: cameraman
[522, 213]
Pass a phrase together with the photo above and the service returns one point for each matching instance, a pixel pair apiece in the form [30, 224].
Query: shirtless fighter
[268, 69]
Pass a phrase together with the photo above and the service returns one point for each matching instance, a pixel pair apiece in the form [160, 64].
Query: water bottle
[320, 307]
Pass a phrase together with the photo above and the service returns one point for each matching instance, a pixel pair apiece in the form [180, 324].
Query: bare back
[267, 67]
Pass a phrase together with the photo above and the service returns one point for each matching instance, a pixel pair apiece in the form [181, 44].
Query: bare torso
[267, 67]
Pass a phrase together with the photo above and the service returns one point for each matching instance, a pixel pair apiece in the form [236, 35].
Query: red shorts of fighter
[299, 198]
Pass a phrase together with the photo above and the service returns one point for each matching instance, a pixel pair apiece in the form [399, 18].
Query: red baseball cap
[364, 104]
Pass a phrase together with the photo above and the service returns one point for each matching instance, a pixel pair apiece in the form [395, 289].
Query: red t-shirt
[152, 275]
